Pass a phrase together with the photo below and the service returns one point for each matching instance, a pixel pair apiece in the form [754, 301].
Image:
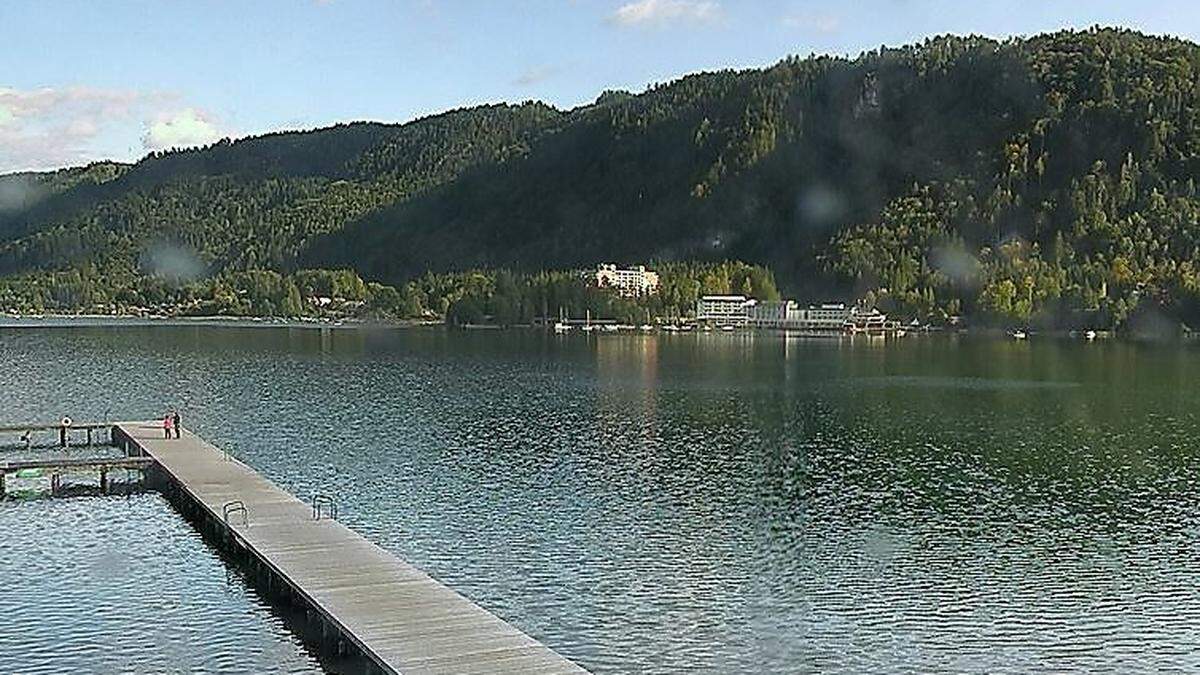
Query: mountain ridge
[1041, 179]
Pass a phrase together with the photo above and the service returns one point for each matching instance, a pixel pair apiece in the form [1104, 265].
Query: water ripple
[675, 505]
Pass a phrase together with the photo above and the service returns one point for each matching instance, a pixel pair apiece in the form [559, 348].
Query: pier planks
[400, 617]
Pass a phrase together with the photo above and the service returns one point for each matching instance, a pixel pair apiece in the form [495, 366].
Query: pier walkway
[400, 618]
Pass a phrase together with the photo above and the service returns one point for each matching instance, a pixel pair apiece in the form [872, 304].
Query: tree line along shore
[499, 297]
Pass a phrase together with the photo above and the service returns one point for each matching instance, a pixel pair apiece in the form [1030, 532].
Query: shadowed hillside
[1047, 179]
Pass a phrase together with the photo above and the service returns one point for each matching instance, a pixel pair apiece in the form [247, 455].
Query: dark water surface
[689, 503]
[123, 585]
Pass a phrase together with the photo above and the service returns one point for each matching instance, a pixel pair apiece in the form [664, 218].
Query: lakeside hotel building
[738, 311]
[628, 283]
[723, 310]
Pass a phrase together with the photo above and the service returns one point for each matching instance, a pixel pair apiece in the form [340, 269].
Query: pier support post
[3, 491]
[103, 481]
[89, 436]
[62, 435]
[53, 484]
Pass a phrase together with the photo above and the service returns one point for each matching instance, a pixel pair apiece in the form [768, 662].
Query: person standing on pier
[167, 425]
[175, 422]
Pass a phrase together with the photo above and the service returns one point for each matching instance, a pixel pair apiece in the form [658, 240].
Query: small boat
[646, 328]
[727, 328]
[1089, 335]
[560, 327]
[1019, 335]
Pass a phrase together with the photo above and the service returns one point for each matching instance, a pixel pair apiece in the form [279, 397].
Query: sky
[85, 80]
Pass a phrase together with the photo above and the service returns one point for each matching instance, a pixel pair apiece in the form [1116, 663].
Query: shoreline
[220, 321]
[83, 320]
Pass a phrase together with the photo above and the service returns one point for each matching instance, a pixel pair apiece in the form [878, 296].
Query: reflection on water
[714, 502]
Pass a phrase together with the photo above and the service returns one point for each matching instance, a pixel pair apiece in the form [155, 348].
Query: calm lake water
[691, 503]
[123, 585]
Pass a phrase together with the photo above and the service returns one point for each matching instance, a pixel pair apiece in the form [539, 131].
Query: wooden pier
[396, 616]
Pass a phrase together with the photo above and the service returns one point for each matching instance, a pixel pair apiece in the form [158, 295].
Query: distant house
[629, 283]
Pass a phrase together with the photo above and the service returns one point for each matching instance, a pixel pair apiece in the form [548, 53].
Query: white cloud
[662, 12]
[181, 129]
[52, 127]
[48, 127]
[816, 22]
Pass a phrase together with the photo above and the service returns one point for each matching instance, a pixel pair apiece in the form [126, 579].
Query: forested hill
[1048, 179]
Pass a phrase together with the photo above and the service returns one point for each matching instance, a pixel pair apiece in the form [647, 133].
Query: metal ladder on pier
[324, 505]
[233, 508]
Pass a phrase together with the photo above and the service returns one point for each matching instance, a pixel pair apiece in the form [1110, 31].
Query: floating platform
[59, 465]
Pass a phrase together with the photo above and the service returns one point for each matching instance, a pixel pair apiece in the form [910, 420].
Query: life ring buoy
[66, 421]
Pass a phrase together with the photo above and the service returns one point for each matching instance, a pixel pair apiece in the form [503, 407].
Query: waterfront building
[828, 317]
[724, 310]
[870, 321]
[831, 316]
[787, 315]
[629, 283]
[772, 314]
[738, 310]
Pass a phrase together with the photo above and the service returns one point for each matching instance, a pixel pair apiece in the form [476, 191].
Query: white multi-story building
[772, 314]
[737, 310]
[630, 283]
[829, 317]
[724, 310]
[786, 314]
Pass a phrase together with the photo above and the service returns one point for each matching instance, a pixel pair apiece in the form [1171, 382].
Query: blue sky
[83, 80]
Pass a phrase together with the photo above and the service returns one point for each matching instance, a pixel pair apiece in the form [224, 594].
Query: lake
[643, 503]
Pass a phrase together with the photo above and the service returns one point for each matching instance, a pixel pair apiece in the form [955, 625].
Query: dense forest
[1047, 181]
[500, 297]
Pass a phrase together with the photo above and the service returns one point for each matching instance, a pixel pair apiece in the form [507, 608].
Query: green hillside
[1042, 180]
